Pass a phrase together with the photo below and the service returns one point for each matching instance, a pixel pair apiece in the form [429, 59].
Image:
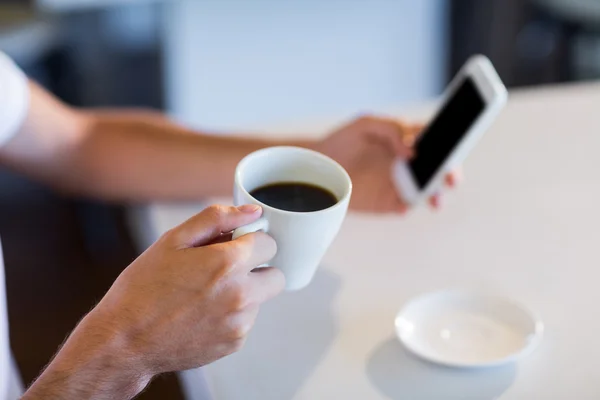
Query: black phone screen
[445, 132]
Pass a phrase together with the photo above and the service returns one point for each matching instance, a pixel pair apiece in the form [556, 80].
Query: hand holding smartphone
[470, 105]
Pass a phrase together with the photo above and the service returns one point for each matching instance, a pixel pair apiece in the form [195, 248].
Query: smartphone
[470, 104]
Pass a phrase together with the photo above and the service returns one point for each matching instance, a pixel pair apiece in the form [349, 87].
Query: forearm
[140, 157]
[94, 364]
[123, 155]
[130, 156]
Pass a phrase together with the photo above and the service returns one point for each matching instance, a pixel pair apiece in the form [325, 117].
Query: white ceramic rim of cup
[534, 316]
[332, 162]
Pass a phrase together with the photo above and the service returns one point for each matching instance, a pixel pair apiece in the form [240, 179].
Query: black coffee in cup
[295, 196]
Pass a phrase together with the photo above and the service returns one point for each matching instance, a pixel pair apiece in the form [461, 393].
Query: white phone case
[494, 94]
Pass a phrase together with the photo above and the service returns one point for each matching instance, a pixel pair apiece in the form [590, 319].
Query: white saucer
[462, 329]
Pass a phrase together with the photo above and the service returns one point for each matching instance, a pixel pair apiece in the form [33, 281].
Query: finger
[435, 201]
[395, 204]
[241, 323]
[397, 208]
[401, 208]
[212, 222]
[412, 134]
[389, 133]
[253, 250]
[266, 283]
[454, 178]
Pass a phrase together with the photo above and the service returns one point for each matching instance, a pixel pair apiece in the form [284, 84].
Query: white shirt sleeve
[14, 98]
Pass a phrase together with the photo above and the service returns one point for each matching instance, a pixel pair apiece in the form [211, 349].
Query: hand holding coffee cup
[304, 195]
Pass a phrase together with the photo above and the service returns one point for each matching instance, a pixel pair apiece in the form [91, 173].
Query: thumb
[215, 220]
[389, 133]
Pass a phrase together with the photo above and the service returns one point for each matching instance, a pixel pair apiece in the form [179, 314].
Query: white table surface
[525, 223]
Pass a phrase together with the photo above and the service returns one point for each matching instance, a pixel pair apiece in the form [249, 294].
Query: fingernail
[249, 208]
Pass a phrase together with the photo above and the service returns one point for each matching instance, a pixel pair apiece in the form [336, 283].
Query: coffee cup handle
[259, 225]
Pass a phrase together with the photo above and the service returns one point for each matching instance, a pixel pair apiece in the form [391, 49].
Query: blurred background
[237, 64]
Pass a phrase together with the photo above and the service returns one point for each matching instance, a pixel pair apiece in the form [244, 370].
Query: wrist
[117, 349]
[97, 362]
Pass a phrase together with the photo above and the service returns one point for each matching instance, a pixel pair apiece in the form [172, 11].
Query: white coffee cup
[302, 237]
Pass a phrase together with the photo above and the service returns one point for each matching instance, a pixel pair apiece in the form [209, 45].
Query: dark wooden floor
[61, 256]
